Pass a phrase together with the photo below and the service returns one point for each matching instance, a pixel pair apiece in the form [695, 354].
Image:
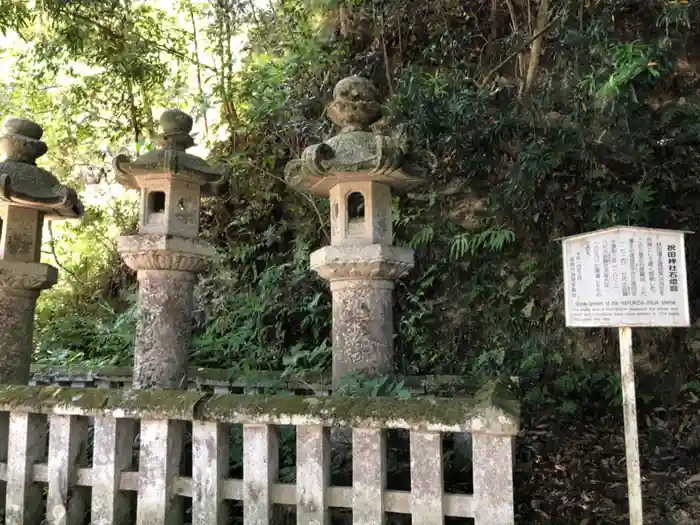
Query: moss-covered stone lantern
[29, 195]
[358, 169]
[166, 253]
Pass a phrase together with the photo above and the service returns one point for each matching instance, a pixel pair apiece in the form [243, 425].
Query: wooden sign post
[627, 277]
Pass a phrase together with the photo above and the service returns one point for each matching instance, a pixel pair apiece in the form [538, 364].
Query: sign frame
[596, 323]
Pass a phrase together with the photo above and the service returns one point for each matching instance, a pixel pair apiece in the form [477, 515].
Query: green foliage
[605, 133]
[629, 62]
[259, 303]
[492, 239]
[13, 16]
[359, 385]
[89, 315]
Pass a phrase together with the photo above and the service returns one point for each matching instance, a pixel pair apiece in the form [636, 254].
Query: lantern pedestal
[167, 270]
[362, 283]
[20, 284]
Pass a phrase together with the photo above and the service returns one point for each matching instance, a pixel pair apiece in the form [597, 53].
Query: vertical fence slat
[493, 479]
[368, 476]
[260, 463]
[159, 463]
[210, 448]
[26, 445]
[112, 454]
[426, 478]
[65, 503]
[313, 474]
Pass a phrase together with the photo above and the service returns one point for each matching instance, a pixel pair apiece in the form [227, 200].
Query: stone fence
[91, 469]
[221, 381]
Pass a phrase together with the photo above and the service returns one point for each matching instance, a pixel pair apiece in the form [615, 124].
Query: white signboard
[626, 277]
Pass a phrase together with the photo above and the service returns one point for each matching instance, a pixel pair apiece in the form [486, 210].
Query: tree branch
[52, 248]
[120, 36]
[536, 51]
[515, 53]
[305, 195]
[387, 68]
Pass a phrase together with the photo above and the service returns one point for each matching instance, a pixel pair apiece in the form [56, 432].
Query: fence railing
[222, 381]
[46, 443]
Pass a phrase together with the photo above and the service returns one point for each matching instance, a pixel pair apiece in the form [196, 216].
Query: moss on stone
[156, 404]
[499, 395]
[210, 374]
[353, 409]
[151, 404]
[45, 399]
[49, 372]
[336, 409]
[330, 410]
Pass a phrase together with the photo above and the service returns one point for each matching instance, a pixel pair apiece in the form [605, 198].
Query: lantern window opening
[356, 207]
[156, 202]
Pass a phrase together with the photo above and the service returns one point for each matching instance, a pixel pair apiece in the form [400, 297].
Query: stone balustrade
[221, 381]
[48, 441]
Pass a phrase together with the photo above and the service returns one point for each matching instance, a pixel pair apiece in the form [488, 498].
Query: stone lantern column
[358, 169]
[28, 196]
[166, 253]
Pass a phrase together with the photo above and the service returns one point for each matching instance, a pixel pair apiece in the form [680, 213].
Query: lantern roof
[23, 183]
[170, 159]
[358, 152]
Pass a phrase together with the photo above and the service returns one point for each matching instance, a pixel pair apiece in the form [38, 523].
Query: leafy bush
[543, 127]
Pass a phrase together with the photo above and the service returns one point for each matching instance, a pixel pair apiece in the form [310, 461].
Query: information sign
[626, 276]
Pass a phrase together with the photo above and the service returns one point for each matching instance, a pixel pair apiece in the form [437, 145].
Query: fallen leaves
[576, 474]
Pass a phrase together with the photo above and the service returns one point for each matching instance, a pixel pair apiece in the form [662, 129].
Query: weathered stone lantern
[166, 253]
[358, 169]
[28, 196]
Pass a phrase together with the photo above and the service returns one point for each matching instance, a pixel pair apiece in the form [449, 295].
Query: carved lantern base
[167, 270]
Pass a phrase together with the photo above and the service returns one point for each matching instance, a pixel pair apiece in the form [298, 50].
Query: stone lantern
[166, 253]
[357, 169]
[28, 196]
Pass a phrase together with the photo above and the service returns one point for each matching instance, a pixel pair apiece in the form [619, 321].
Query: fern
[492, 240]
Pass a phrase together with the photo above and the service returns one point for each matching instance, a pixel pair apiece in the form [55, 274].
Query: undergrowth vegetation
[547, 118]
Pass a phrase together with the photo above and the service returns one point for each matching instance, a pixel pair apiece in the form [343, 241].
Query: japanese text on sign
[626, 277]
